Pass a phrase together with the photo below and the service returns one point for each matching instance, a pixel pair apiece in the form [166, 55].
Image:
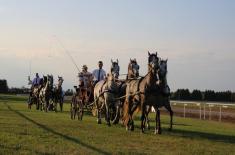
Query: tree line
[207, 95]
[3, 86]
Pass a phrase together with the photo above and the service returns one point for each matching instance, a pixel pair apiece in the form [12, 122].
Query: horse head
[152, 57]
[111, 81]
[50, 80]
[115, 68]
[60, 80]
[162, 69]
[133, 69]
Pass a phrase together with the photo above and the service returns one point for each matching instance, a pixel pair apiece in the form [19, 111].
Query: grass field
[24, 131]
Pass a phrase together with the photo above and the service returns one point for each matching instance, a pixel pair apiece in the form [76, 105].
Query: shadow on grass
[202, 135]
[190, 134]
[72, 139]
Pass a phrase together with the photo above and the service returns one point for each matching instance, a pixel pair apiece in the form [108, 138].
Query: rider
[36, 80]
[85, 83]
[99, 74]
[84, 77]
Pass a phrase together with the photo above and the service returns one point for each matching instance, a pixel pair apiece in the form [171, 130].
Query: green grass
[24, 131]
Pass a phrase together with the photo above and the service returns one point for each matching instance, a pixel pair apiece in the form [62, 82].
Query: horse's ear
[149, 53]
[156, 53]
[111, 60]
[135, 59]
[166, 59]
[117, 60]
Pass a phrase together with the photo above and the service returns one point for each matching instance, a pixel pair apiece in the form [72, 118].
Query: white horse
[104, 95]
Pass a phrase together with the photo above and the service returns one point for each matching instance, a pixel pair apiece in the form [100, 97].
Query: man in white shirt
[99, 74]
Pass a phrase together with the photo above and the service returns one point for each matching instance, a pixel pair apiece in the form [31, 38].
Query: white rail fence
[205, 109]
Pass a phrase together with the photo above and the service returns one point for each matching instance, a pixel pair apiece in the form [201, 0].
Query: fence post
[200, 112]
[200, 108]
[185, 109]
[209, 112]
[204, 110]
[220, 113]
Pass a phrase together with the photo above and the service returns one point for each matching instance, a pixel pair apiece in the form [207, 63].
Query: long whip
[67, 52]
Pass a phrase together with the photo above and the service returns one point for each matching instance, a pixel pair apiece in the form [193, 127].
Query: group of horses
[120, 99]
[46, 95]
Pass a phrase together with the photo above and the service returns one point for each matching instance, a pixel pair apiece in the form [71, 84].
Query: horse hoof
[132, 128]
[99, 121]
[158, 132]
[127, 129]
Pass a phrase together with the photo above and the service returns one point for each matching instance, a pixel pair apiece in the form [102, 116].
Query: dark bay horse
[161, 98]
[155, 95]
[137, 94]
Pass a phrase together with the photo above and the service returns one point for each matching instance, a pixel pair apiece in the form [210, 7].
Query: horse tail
[126, 115]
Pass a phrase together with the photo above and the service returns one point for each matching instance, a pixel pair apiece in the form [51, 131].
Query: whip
[67, 52]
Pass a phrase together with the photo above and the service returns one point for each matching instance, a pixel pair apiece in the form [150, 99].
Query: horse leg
[71, 112]
[81, 104]
[117, 115]
[142, 119]
[158, 123]
[168, 107]
[147, 117]
[61, 105]
[132, 110]
[37, 103]
[55, 105]
[98, 111]
[107, 111]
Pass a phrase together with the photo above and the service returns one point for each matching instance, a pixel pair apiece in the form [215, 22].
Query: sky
[197, 37]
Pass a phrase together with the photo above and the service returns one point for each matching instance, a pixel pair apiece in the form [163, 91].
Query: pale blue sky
[197, 36]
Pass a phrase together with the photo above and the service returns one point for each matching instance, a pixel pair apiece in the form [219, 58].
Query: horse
[160, 98]
[34, 94]
[76, 105]
[58, 94]
[45, 94]
[138, 94]
[133, 73]
[105, 92]
[82, 96]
